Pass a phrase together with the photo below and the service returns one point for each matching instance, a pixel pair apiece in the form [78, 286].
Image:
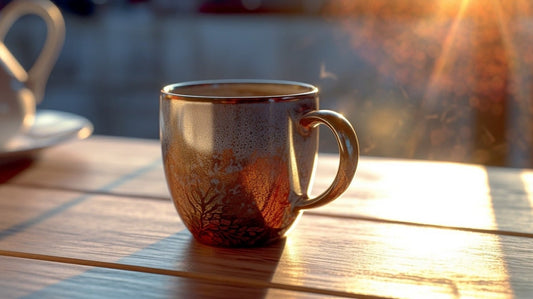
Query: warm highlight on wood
[94, 219]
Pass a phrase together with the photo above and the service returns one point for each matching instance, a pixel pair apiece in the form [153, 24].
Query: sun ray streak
[445, 56]
[429, 99]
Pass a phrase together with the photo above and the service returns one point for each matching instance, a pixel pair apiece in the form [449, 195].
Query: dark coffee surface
[228, 90]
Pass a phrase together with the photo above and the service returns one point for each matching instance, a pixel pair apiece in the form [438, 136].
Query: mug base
[243, 238]
[255, 244]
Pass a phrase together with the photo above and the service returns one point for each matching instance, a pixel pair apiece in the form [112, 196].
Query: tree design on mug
[229, 202]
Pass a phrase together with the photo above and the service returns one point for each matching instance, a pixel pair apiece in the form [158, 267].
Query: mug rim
[169, 91]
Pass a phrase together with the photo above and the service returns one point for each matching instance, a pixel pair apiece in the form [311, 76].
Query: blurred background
[443, 80]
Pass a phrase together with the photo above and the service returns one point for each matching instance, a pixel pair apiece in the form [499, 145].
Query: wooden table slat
[435, 193]
[322, 253]
[98, 210]
[28, 278]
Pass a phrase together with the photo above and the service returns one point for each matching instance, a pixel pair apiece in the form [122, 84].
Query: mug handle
[55, 25]
[348, 151]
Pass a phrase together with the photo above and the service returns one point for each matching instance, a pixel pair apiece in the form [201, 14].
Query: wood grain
[92, 214]
[323, 254]
[406, 191]
[98, 165]
[30, 278]
[437, 193]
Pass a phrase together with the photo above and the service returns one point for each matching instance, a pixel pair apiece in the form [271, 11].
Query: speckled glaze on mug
[239, 157]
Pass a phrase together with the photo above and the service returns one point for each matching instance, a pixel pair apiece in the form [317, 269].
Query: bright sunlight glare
[459, 64]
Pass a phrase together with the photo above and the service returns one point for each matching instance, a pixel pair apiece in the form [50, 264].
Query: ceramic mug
[21, 90]
[239, 156]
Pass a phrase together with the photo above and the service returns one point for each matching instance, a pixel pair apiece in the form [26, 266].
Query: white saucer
[50, 128]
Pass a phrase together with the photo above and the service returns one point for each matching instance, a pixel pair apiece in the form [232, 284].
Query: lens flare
[467, 61]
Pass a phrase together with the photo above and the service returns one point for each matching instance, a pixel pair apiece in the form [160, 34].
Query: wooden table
[93, 219]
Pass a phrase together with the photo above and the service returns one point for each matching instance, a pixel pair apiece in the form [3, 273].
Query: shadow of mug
[195, 263]
[240, 272]
[21, 90]
[11, 169]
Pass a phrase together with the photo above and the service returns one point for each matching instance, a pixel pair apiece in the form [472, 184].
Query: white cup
[21, 90]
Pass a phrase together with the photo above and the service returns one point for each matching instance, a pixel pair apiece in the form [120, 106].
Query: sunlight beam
[445, 55]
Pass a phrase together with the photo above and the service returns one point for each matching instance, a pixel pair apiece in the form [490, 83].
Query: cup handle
[348, 151]
[39, 72]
